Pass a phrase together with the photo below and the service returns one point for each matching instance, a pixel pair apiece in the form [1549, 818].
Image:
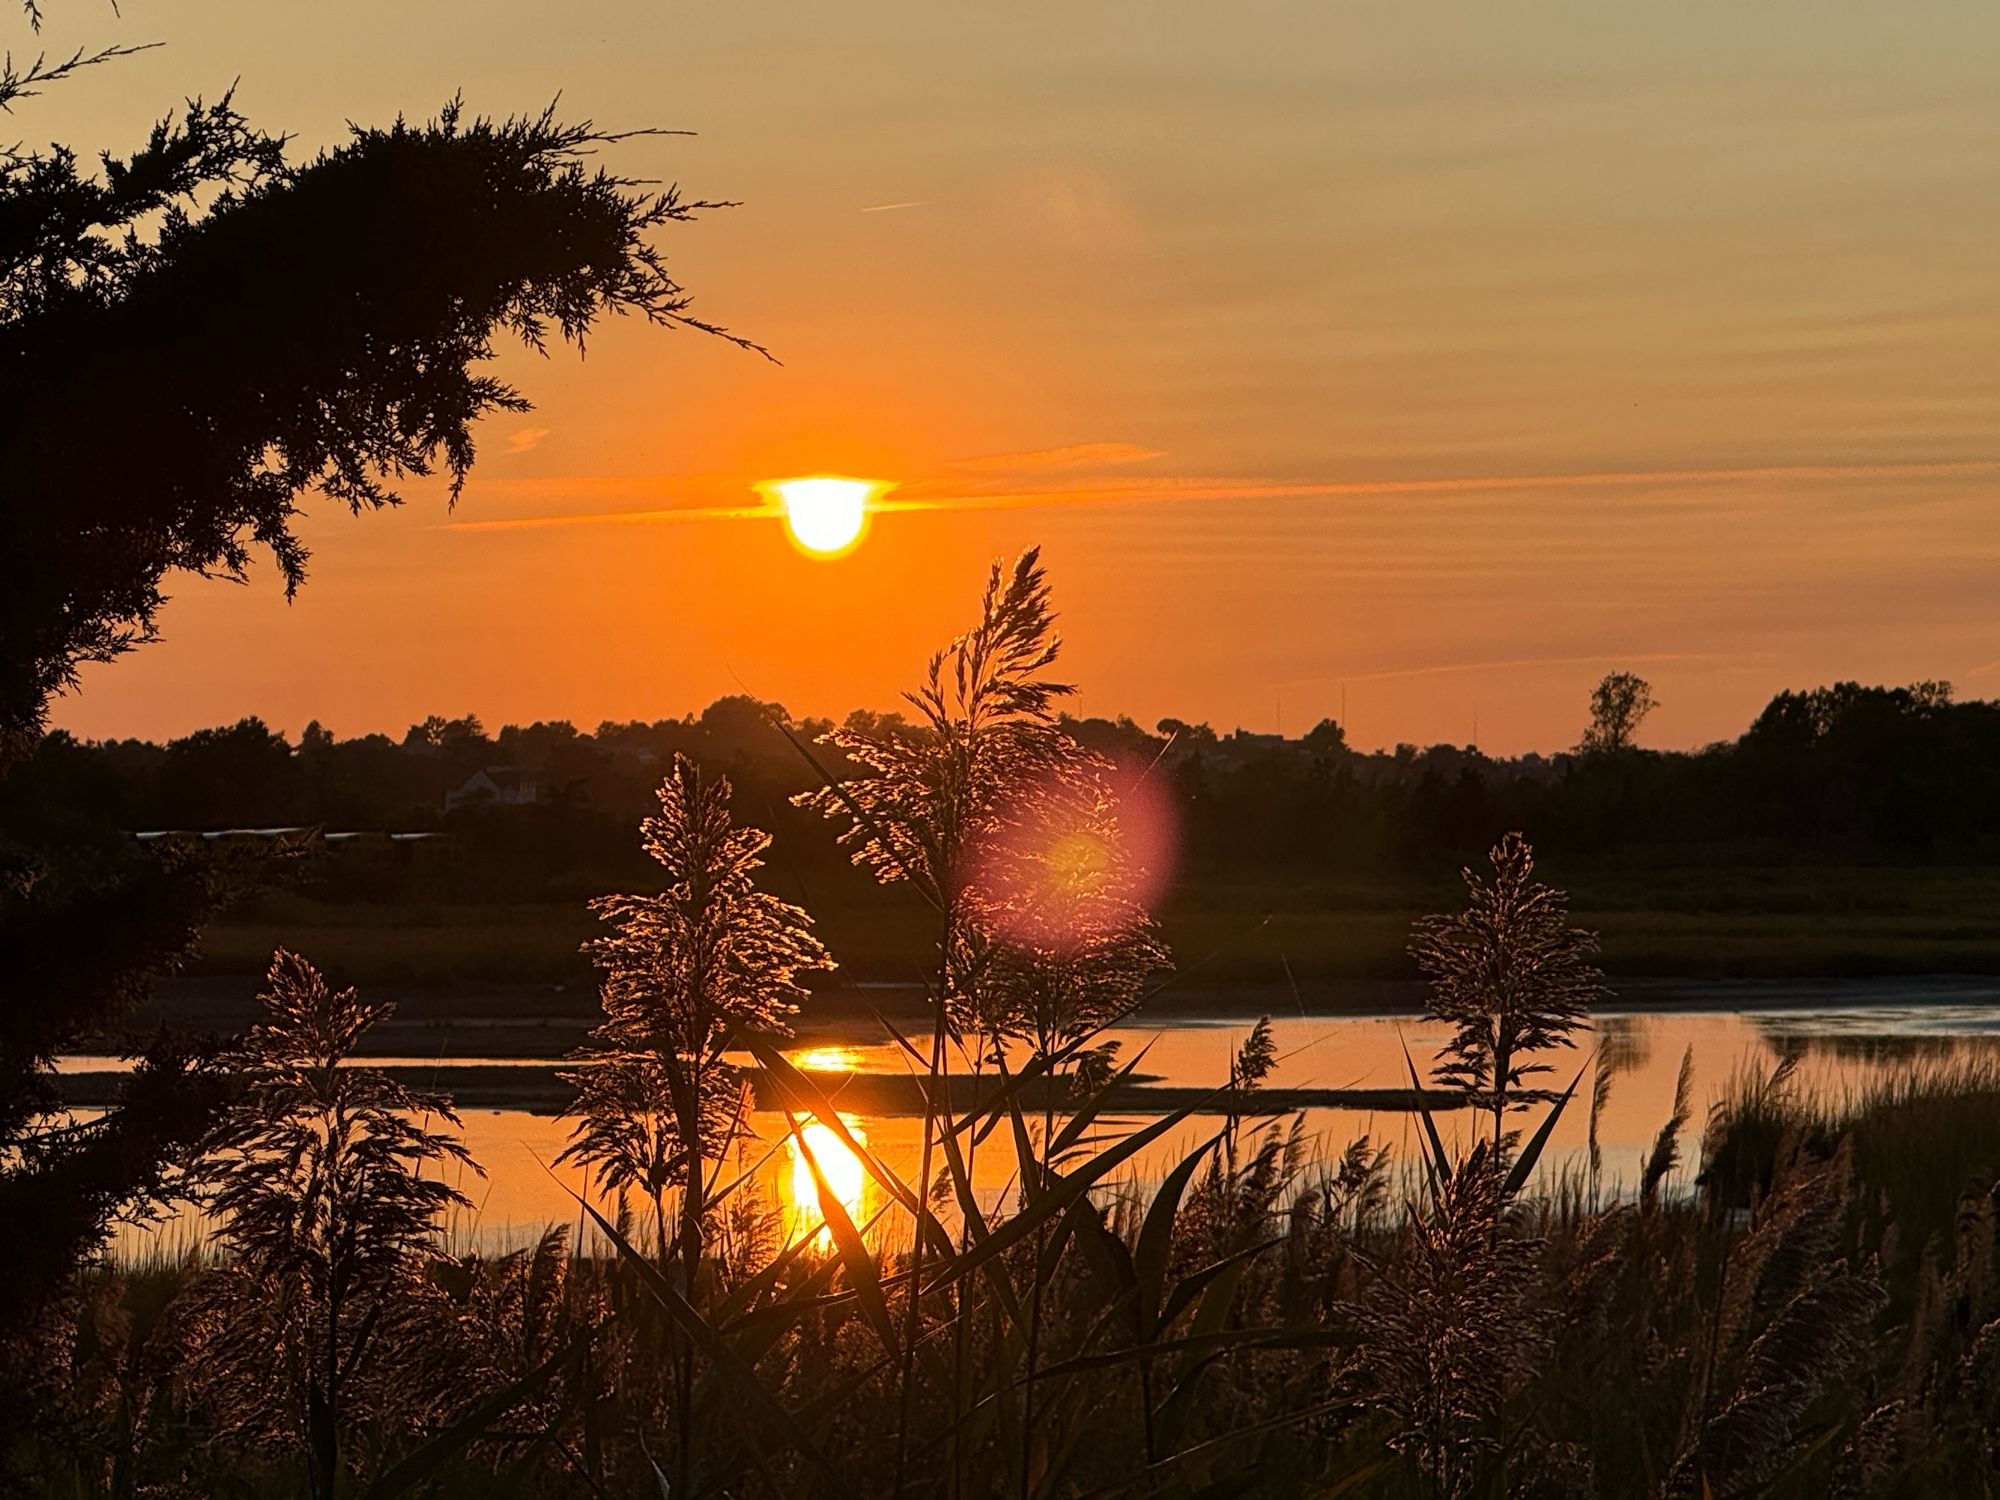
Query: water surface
[1842, 1049]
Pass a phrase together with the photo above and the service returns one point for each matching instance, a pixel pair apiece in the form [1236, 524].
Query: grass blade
[1437, 1160]
[1063, 1190]
[719, 1354]
[1532, 1152]
[1149, 1255]
[419, 1466]
[854, 1252]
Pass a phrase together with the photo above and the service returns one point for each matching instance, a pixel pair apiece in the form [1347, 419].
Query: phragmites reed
[315, 1177]
[1447, 1330]
[1791, 1319]
[1666, 1152]
[986, 734]
[316, 1164]
[1511, 976]
[684, 973]
[986, 748]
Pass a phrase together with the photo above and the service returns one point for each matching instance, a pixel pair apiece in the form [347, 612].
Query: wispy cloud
[889, 208]
[1075, 456]
[943, 494]
[656, 517]
[525, 439]
[946, 493]
[1512, 663]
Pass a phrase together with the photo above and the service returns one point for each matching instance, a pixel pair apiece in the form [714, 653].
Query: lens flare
[1088, 861]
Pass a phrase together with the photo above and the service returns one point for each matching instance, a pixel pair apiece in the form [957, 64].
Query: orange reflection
[845, 1176]
[827, 1060]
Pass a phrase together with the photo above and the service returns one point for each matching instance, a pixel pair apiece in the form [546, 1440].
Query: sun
[826, 513]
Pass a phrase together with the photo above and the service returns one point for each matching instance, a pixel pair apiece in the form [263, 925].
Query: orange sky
[1451, 354]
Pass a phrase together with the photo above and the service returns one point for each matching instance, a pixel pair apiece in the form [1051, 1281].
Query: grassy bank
[1813, 1315]
[1726, 922]
[539, 1089]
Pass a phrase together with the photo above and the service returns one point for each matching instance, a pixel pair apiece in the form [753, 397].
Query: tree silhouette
[1617, 705]
[166, 402]
[193, 336]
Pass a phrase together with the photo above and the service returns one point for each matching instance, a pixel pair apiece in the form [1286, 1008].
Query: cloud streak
[1075, 456]
[664, 515]
[1511, 663]
[943, 494]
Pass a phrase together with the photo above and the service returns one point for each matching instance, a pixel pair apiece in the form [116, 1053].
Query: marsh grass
[1277, 1326]
[1808, 1304]
[1724, 919]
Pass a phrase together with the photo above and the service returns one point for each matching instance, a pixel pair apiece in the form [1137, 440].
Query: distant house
[496, 786]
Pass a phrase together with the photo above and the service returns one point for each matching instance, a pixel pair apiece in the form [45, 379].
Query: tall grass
[1819, 1314]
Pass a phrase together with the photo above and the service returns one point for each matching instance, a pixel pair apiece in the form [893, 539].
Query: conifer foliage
[322, 323]
[195, 335]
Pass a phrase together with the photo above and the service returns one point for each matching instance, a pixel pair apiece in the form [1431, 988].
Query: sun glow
[845, 1177]
[825, 513]
[827, 1060]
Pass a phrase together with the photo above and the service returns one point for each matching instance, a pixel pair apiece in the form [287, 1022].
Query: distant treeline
[1844, 773]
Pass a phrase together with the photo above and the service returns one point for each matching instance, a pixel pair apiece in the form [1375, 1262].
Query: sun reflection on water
[827, 1060]
[845, 1176]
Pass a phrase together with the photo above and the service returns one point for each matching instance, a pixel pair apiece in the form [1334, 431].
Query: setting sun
[825, 513]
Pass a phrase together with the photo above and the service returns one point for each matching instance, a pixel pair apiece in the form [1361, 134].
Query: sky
[1429, 359]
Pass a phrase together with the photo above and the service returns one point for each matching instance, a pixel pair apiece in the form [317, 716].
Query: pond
[1843, 1047]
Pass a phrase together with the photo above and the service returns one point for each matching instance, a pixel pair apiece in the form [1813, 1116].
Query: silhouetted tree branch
[166, 403]
[192, 337]
[18, 82]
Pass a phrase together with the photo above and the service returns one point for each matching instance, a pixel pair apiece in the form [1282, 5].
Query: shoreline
[537, 1089]
[226, 1002]
[523, 1029]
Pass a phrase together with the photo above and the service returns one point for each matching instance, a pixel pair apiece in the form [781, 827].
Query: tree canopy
[168, 399]
[1618, 704]
[193, 337]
